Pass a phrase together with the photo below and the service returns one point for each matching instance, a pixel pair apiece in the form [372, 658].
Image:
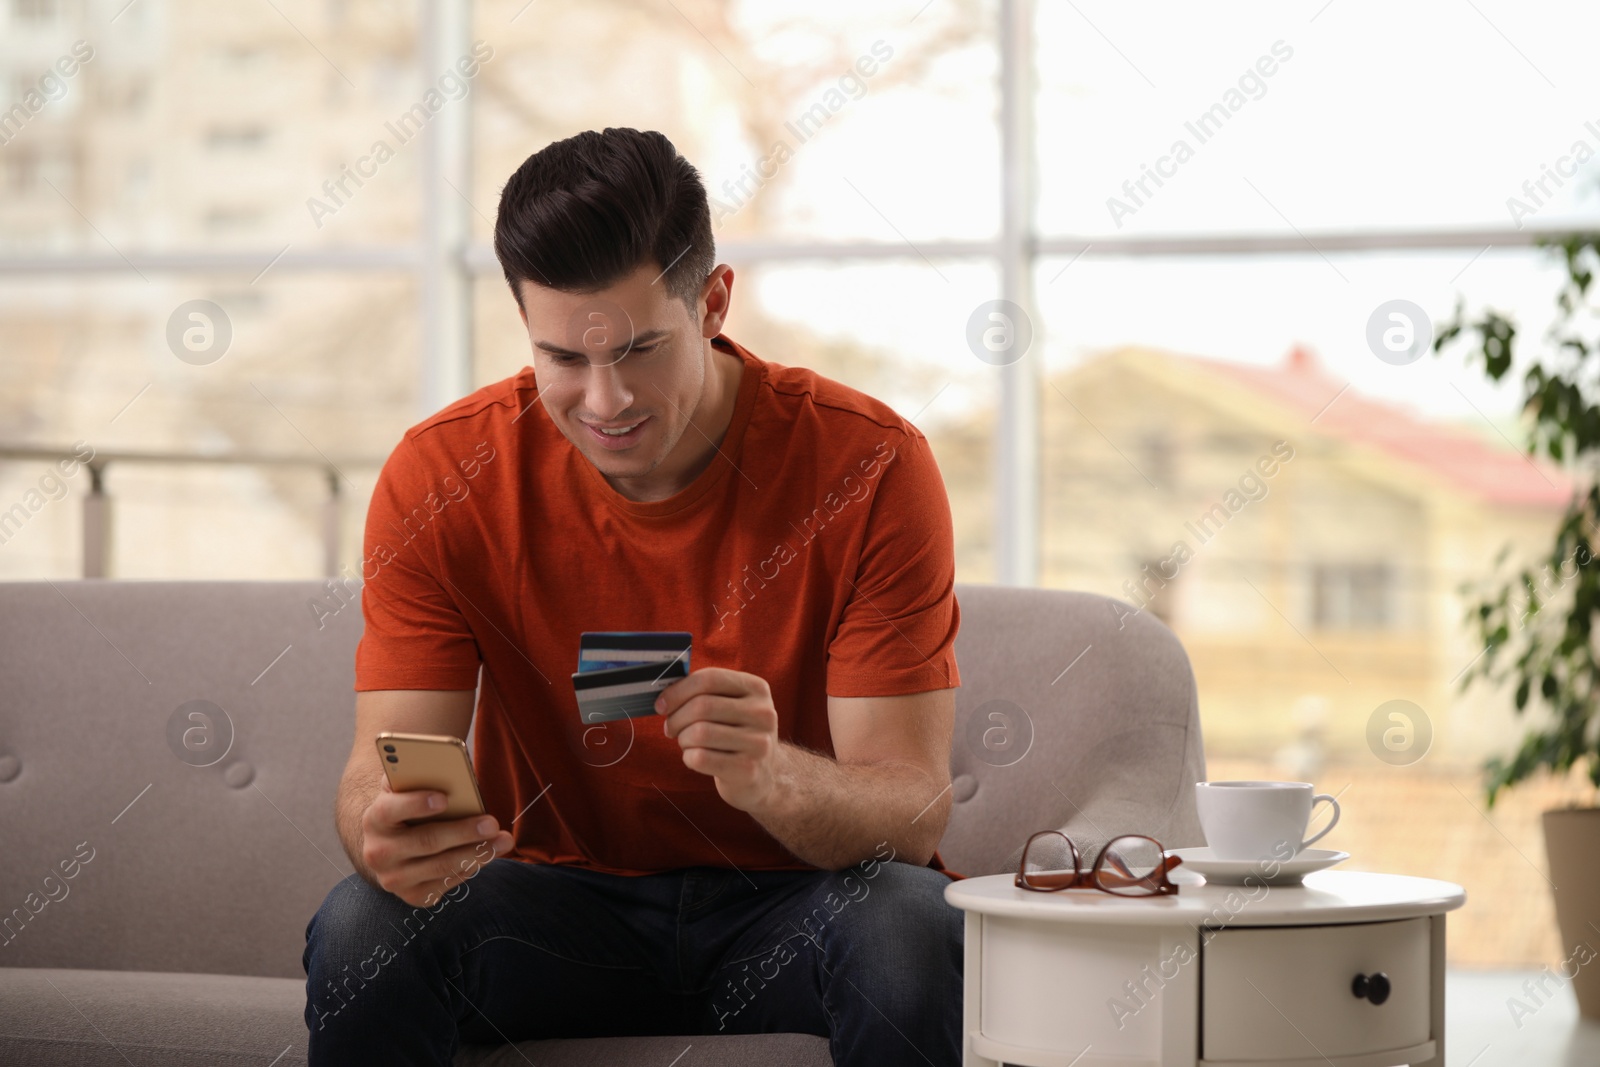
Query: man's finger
[708, 707]
[717, 736]
[434, 838]
[706, 680]
[716, 764]
[393, 809]
[456, 865]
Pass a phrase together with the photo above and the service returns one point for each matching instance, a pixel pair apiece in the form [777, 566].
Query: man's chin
[634, 462]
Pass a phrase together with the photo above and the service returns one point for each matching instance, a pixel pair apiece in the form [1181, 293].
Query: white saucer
[1235, 872]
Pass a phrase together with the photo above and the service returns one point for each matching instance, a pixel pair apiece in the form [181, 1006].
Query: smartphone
[432, 761]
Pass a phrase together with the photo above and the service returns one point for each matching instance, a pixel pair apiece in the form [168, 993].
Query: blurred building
[1306, 543]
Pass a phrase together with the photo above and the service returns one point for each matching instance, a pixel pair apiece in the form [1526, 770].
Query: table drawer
[1285, 992]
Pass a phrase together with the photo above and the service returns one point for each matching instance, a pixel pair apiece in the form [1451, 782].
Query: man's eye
[572, 361]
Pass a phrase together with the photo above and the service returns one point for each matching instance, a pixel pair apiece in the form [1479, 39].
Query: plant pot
[1572, 844]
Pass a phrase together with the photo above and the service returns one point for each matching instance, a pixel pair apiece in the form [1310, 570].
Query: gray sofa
[153, 911]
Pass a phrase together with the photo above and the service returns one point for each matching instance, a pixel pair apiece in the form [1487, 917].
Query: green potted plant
[1538, 624]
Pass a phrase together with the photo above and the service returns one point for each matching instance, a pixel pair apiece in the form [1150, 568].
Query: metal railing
[97, 514]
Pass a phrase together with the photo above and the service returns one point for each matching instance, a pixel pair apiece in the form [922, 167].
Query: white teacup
[1259, 820]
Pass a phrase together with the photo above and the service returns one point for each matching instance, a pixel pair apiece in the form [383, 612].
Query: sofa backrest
[212, 869]
[1074, 713]
[116, 853]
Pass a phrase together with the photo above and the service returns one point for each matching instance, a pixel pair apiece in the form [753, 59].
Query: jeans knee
[337, 943]
[359, 933]
[899, 911]
[354, 914]
[918, 893]
[343, 920]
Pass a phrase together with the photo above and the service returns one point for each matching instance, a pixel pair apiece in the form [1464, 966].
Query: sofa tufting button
[10, 767]
[963, 788]
[239, 775]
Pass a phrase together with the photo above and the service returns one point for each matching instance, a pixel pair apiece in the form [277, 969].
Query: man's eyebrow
[620, 350]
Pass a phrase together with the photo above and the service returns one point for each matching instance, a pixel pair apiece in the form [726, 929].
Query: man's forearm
[834, 814]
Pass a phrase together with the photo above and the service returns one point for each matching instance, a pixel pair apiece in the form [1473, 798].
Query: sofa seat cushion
[88, 1018]
[718, 1050]
[78, 1018]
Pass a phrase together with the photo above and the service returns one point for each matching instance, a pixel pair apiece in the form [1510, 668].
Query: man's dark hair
[582, 213]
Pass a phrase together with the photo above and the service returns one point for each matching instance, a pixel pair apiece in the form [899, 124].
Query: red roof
[1496, 472]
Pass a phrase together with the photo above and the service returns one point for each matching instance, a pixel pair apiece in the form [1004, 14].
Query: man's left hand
[727, 726]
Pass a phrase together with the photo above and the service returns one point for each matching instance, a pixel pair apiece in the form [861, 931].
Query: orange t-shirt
[815, 551]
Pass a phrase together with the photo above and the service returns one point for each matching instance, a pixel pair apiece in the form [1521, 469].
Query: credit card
[602, 650]
[624, 692]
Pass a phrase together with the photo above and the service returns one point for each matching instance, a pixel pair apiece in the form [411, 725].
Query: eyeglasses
[1129, 866]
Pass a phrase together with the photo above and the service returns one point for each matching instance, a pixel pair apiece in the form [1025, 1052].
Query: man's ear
[716, 296]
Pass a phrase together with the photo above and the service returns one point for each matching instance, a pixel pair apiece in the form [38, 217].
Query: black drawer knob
[1374, 987]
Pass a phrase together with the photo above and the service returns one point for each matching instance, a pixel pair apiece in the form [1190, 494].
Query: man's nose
[606, 394]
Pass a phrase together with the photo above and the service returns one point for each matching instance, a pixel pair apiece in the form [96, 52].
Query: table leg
[1436, 944]
[971, 991]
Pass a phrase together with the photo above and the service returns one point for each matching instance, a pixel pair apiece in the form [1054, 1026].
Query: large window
[243, 247]
[1357, 596]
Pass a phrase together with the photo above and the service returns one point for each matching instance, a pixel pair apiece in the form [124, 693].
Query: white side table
[1346, 970]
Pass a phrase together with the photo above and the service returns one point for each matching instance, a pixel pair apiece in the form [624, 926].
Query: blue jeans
[869, 957]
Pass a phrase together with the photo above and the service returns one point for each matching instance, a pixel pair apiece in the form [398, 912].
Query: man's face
[627, 359]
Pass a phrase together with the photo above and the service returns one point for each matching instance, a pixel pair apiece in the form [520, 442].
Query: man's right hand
[419, 863]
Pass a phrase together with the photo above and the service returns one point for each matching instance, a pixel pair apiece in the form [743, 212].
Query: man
[759, 856]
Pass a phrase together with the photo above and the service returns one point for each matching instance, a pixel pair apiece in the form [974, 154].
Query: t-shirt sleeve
[415, 636]
[898, 629]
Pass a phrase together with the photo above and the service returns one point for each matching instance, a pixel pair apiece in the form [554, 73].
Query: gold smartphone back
[431, 761]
